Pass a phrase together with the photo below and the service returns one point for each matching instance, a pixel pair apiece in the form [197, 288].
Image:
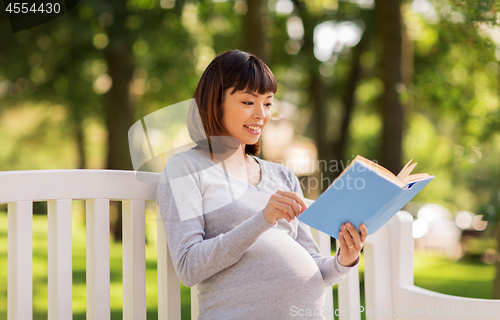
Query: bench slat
[349, 299]
[195, 306]
[20, 260]
[378, 283]
[44, 185]
[60, 272]
[325, 248]
[349, 295]
[169, 287]
[134, 260]
[98, 278]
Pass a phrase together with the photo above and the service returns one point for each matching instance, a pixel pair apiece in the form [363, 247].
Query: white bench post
[60, 265]
[169, 287]
[349, 298]
[20, 264]
[195, 307]
[134, 260]
[378, 280]
[98, 277]
[324, 244]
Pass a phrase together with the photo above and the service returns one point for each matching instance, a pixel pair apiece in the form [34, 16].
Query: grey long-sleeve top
[245, 267]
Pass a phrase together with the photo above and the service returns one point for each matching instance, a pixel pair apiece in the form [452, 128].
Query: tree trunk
[119, 116]
[407, 57]
[389, 20]
[79, 137]
[119, 111]
[318, 92]
[319, 117]
[339, 147]
[256, 23]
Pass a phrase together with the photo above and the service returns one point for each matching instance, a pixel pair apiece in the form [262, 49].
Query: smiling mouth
[257, 129]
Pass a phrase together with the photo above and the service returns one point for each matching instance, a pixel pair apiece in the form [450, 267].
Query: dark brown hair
[237, 69]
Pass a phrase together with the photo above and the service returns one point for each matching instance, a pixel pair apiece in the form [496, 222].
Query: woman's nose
[260, 110]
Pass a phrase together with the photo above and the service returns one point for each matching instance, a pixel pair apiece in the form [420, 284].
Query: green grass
[467, 278]
[432, 271]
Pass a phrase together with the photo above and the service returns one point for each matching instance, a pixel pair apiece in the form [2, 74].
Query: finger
[282, 214]
[302, 203]
[284, 208]
[347, 236]
[354, 234]
[285, 216]
[364, 232]
[343, 245]
[285, 197]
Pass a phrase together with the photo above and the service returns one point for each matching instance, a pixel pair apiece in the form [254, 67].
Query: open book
[365, 192]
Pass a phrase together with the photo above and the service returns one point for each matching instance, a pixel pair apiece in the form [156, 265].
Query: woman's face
[243, 109]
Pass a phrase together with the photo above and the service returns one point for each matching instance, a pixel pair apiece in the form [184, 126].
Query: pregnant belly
[274, 299]
[274, 256]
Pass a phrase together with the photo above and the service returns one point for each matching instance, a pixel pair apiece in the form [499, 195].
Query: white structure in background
[331, 37]
[472, 226]
[436, 229]
[279, 143]
[467, 220]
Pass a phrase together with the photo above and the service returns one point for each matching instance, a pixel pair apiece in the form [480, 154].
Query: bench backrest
[388, 253]
[390, 292]
[19, 189]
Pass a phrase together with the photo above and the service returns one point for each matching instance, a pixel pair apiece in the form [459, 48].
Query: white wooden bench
[388, 255]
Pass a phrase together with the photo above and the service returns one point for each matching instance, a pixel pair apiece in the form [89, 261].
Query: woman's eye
[269, 105]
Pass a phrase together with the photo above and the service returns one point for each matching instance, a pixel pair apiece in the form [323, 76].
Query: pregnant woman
[230, 217]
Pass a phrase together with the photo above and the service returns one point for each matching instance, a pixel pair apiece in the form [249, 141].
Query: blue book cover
[364, 192]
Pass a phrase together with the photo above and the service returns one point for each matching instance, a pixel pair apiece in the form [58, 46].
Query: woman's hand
[284, 205]
[351, 243]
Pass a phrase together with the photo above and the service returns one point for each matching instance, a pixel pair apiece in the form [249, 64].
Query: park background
[390, 80]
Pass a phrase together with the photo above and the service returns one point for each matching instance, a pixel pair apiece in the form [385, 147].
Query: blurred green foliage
[53, 78]
[51, 81]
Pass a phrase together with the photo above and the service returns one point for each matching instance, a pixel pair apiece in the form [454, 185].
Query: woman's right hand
[284, 205]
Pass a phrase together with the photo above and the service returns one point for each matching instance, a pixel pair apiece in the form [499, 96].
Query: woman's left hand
[351, 243]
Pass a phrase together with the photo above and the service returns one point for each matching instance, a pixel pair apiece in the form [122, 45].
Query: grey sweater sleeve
[331, 270]
[181, 206]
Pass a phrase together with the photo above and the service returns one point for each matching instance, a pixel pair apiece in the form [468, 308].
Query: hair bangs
[255, 77]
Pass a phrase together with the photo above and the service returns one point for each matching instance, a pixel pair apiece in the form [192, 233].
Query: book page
[381, 171]
[403, 178]
[405, 172]
[415, 177]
